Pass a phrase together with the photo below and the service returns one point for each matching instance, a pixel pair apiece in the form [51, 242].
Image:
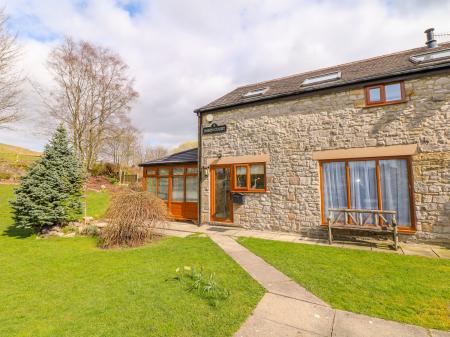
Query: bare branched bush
[132, 218]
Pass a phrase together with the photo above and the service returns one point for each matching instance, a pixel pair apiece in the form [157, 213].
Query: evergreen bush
[50, 193]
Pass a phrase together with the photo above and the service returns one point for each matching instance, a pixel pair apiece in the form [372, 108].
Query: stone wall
[290, 130]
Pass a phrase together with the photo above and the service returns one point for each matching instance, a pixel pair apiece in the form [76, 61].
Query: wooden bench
[358, 219]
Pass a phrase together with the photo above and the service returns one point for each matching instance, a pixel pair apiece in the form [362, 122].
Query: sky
[184, 54]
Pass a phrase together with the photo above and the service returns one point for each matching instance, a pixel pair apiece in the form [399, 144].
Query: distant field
[17, 154]
[11, 157]
[5, 148]
[14, 161]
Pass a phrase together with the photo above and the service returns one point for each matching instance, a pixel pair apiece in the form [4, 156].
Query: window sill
[248, 191]
[384, 103]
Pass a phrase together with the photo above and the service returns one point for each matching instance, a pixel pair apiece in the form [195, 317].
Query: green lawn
[69, 287]
[408, 289]
[97, 203]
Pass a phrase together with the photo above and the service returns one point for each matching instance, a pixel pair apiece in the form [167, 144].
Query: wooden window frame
[383, 94]
[247, 189]
[408, 159]
[189, 175]
[247, 177]
[169, 183]
[170, 175]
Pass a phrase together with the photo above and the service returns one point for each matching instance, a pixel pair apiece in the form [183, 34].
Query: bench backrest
[360, 218]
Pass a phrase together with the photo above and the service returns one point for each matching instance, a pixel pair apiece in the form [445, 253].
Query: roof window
[432, 56]
[255, 92]
[322, 78]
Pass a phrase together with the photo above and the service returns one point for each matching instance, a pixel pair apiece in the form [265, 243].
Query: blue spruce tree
[50, 193]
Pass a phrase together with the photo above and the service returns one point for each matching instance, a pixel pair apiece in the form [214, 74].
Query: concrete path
[289, 310]
[269, 277]
[420, 249]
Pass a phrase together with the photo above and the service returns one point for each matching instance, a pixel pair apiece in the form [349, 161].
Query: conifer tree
[50, 193]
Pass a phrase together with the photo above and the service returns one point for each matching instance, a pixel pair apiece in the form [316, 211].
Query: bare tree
[154, 152]
[93, 95]
[122, 146]
[10, 79]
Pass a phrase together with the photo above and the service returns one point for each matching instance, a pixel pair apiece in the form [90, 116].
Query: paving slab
[304, 316]
[439, 333]
[294, 290]
[419, 250]
[256, 326]
[283, 237]
[348, 324]
[254, 265]
[443, 253]
[230, 245]
[222, 230]
[170, 232]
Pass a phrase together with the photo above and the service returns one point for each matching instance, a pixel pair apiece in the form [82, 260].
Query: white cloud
[184, 54]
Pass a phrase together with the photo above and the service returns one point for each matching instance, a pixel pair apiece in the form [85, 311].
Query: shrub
[5, 175]
[105, 169]
[113, 180]
[203, 283]
[70, 229]
[90, 230]
[132, 217]
[136, 186]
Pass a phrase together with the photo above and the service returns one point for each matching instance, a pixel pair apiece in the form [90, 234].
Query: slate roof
[380, 67]
[183, 157]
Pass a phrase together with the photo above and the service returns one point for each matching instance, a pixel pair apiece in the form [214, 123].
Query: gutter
[200, 172]
[317, 89]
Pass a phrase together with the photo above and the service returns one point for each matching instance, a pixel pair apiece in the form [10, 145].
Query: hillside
[5, 148]
[15, 160]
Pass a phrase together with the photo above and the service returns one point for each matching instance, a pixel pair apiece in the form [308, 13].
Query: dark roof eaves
[167, 163]
[163, 160]
[318, 88]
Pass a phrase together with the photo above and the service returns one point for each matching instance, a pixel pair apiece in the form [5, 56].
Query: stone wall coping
[366, 152]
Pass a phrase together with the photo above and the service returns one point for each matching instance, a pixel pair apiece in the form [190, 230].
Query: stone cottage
[371, 134]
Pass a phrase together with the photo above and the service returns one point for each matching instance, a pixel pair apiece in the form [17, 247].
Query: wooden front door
[221, 202]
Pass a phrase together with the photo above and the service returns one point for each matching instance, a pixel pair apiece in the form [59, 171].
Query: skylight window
[255, 92]
[432, 56]
[322, 78]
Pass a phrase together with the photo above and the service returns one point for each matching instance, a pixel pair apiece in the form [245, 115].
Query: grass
[18, 158]
[97, 203]
[407, 289]
[69, 287]
[17, 154]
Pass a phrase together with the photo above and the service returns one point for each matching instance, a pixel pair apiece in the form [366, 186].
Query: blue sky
[184, 54]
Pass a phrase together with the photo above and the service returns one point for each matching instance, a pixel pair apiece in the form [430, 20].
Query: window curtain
[394, 189]
[363, 185]
[334, 186]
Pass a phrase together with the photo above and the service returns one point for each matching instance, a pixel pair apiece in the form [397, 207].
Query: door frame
[213, 193]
